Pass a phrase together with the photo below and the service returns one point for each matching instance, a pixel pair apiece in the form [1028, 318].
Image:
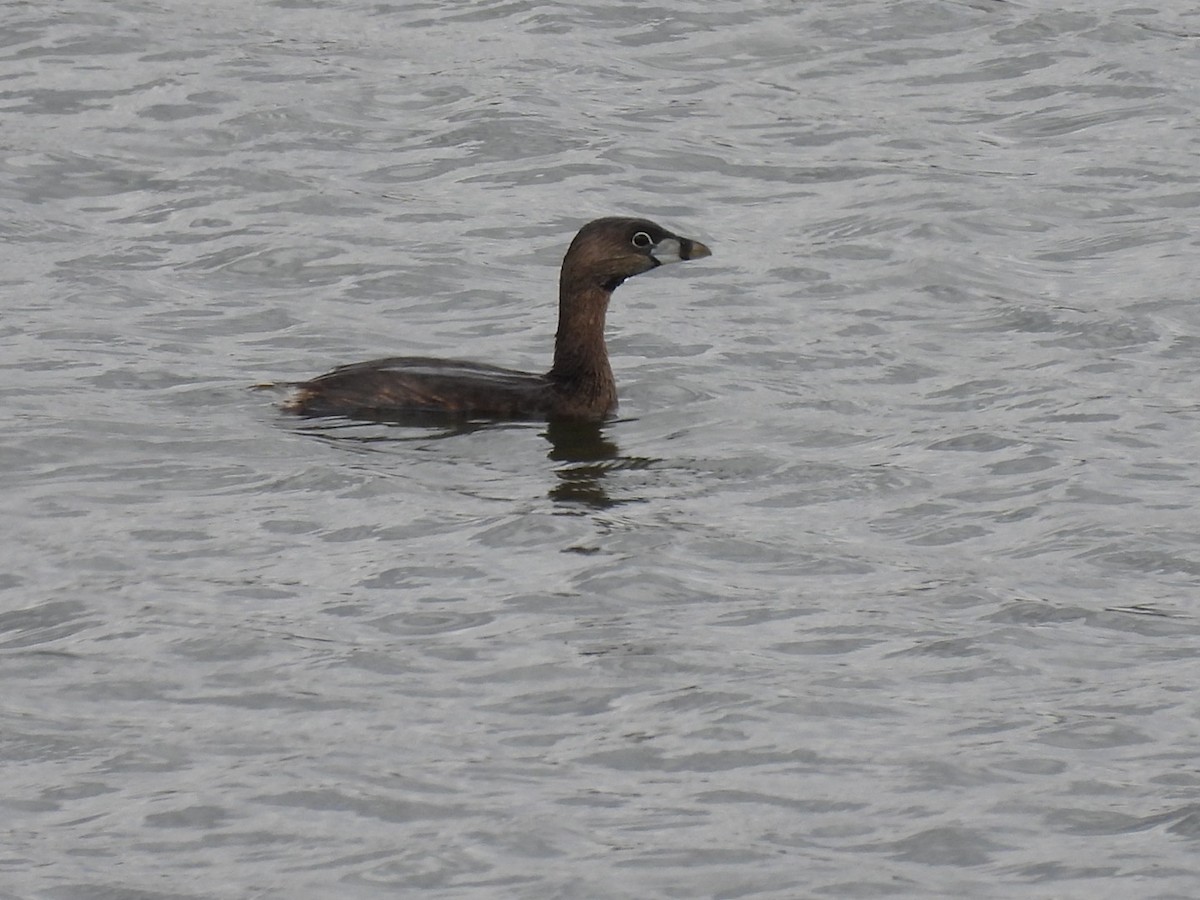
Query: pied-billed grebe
[578, 386]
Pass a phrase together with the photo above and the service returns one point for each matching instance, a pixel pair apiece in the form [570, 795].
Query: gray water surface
[883, 584]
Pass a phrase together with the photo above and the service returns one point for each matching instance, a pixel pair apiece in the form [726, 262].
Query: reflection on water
[417, 427]
[586, 450]
[590, 455]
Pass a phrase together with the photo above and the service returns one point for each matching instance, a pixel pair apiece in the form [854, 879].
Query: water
[883, 584]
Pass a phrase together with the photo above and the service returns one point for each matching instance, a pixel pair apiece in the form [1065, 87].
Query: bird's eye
[641, 240]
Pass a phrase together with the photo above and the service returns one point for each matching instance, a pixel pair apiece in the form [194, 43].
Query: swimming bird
[579, 385]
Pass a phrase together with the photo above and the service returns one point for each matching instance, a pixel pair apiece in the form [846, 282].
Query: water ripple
[882, 583]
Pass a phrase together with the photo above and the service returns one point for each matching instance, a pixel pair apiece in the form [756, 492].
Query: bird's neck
[580, 355]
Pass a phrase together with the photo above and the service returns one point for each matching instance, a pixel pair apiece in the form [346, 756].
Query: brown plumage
[579, 385]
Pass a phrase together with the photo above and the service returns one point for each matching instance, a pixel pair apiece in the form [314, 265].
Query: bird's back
[398, 385]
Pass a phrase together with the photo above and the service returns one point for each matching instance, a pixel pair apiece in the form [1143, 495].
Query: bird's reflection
[590, 456]
[585, 453]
